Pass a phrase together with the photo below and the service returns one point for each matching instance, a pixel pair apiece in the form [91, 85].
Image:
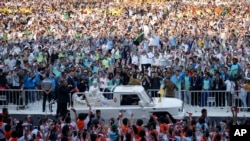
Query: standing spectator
[187, 88]
[169, 88]
[54, 84]
[230, 91]
[155, 83]
[196, 87]
[3, 85]
[146, 80]
[16, 85]
[125, 76]
[98, 117]
[103, 82]
[6, 117]
[217, 86]
[2, 128]
[144, 61]
[177, 80]
[134, 80]
[47, 88]
[204, 116]
[206, 87]
[71, 83]
[29, 86]
[63, 98]
[82, 85]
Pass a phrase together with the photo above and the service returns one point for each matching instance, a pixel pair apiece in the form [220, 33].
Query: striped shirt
[47, 84]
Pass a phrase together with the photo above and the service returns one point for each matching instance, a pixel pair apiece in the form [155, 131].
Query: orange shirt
[101, 139]
[154, 131]
[164, 128]
[203, 139]
[7, 135]
[217, 10]
[139, 128]
[193, 10]
[183, 133]
[80, 124]
[13, 139]
[124, 129]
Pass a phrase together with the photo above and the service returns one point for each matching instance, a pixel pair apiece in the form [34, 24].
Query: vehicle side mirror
[141, 103]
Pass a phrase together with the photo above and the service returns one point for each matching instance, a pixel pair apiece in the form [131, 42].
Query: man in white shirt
[230, 87]
[94, 89]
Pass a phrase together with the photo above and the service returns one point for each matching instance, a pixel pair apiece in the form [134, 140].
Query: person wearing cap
[113, 133]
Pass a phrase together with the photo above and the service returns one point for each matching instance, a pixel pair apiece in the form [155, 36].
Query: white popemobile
[128, 99]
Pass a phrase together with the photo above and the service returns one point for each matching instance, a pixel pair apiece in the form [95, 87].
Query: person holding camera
[146, 83]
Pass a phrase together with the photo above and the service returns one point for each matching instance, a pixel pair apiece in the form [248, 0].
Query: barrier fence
[202, 98]
[18, 97]
[210, 98]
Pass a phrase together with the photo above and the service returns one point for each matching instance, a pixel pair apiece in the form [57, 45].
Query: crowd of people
[61, 47]
[93, 127]
[177, 45]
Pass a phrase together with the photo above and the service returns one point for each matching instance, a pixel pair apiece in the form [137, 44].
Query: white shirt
[146, 30]
[150, 58]
[103, 82]
[11, 64]
[144, 59]
[135, 60]
[157, 61]
[229, 86]
[94, 90]
[31, 58]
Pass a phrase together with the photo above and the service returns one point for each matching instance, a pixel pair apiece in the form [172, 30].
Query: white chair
[211, 100]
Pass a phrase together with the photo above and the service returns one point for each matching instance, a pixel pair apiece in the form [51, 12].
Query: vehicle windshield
[147, 98]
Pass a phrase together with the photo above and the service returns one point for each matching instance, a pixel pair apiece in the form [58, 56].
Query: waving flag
[139, 39]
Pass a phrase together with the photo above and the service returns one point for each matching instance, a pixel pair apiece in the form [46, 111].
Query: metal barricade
[210, 98]
[21, 98]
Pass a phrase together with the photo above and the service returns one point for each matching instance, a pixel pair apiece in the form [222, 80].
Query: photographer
[155, 81]
[146, 83]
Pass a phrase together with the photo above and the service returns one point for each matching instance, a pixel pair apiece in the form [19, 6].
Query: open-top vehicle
[128, 99]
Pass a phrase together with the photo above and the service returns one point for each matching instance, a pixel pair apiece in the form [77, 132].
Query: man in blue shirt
[29, 86]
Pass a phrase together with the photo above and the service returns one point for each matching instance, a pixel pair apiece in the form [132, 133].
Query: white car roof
[129, 88]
